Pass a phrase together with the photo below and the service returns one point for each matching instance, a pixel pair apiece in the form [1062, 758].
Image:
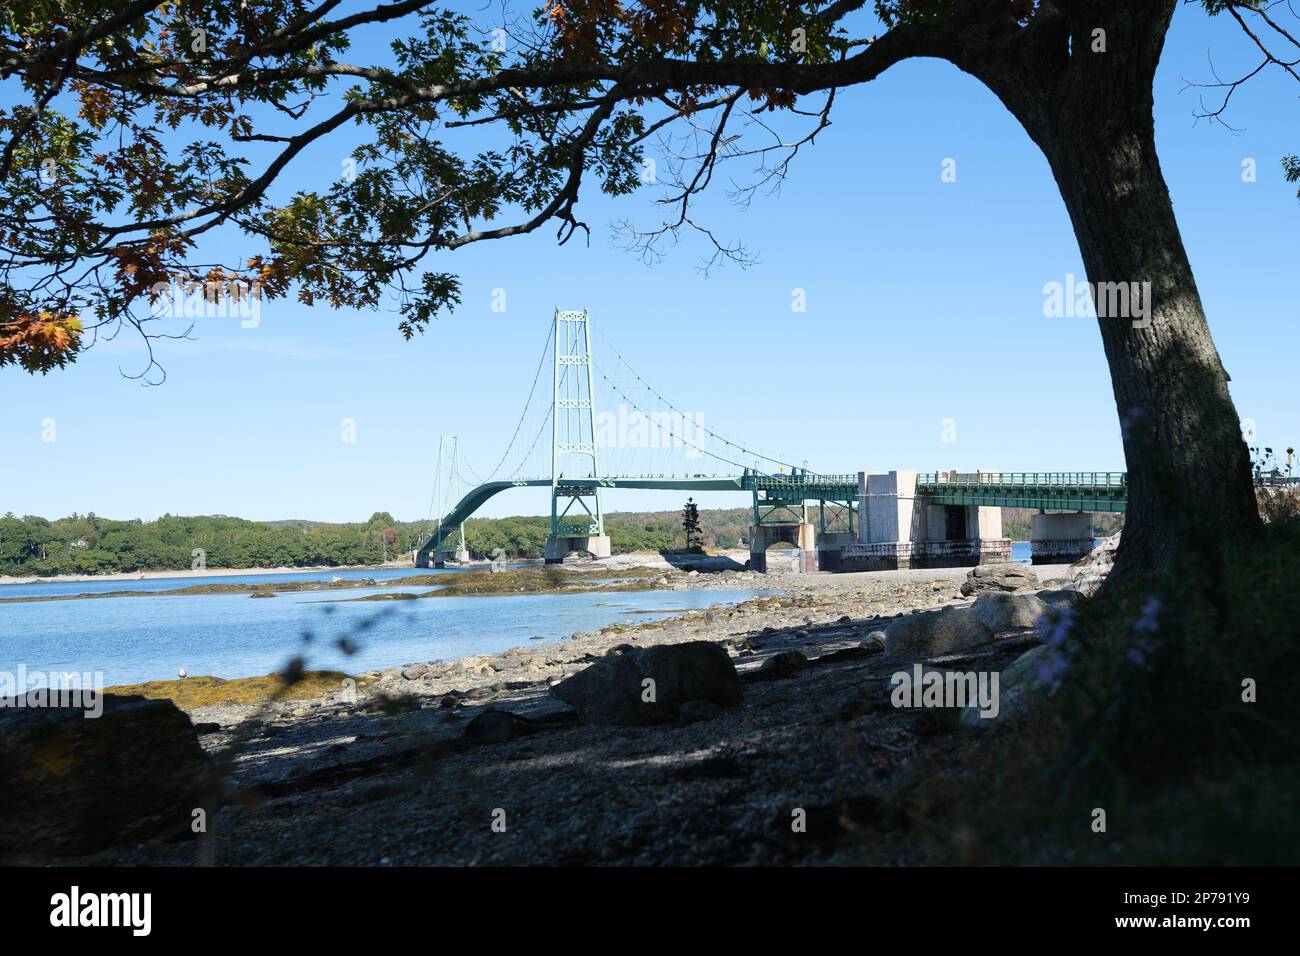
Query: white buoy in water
[182, 673]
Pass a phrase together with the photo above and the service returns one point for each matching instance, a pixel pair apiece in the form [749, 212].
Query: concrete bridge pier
[900, 529]
[802, 536]
[1061, 538]
[456, 557]
[557, 546]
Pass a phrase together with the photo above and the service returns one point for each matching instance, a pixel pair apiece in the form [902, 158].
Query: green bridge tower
[577, 523]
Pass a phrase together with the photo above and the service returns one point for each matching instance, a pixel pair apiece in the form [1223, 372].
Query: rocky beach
[771, 737]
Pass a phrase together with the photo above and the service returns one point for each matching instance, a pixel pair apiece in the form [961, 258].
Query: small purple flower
[1146, 626]
[1054, 627]
[1148, 621]
[1053, 666]
[1054, 631]
[1140, 651]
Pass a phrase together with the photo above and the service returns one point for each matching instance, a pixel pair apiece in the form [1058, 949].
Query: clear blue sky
[924, 303]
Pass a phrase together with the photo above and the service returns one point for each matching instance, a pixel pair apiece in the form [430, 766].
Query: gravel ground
[386, 774]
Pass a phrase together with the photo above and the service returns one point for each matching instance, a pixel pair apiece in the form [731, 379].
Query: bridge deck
[479, 495]
[1054, 490]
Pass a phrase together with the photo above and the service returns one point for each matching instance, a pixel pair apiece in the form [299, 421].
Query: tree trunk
[1190, 487]
[1188, 468]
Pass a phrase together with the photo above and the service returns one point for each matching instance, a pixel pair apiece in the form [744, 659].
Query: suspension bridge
[900, 519]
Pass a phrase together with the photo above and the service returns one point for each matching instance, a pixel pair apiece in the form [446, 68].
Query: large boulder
[1019, 685]
[1061, 599]
[1000, 611]
[615, 689]
[1088, 573]
[927, 633]
[72, 783]
[999, 577]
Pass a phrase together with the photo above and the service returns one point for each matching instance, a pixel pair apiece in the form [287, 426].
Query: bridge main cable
[686, 441]
[655, 392]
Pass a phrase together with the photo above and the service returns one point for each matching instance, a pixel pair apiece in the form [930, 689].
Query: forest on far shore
[90, 544]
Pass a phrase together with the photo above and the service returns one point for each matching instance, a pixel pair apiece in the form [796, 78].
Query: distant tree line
[89, 544]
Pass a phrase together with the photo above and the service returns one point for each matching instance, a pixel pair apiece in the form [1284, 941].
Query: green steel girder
[1043, 502]
[778, 512]
[802, 486]
[1061, 491]
[784, 499]
[847, 508]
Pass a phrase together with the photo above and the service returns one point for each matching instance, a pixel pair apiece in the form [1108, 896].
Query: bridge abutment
[558, 546]
[1061, 538]
[455, 557]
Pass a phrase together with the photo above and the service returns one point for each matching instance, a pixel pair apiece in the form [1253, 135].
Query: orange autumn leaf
[39, 342]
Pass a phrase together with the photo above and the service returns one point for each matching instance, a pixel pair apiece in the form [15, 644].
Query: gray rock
[927, 633]
[613, 690]
[1000, 611]
[414, 672]
[999, 577]
[780, 666]
[876, 639]
[496, 727]
[695, 711]
[1061, 599]
[1018, 688]
[74, 784]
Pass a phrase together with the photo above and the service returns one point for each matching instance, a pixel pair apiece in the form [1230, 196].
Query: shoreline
[193, 575]
[634, 558]
[788, 598]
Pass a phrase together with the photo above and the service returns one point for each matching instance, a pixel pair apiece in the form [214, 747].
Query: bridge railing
[1112, 481]
[800, 481]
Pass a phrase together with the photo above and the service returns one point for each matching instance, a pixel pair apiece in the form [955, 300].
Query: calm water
[133, 639]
